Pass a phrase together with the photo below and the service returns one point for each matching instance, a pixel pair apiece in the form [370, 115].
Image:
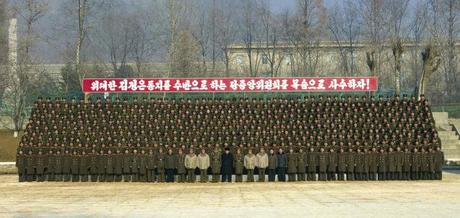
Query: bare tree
[417, 28]
[19, 79]
[3, 44]
[397, 12]
[271, 30]
[250, 36]
[304, 31]
[226, 32]
[373, 19]
[452, 7]
[431, 61]
[344, 25]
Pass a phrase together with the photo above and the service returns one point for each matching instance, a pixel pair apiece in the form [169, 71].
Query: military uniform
[341, 165]
[50, 166]
[58, 165]
[261, 164]
[406, 165]
[30, 167]
[415, 165]
[350, 160]
[127, 164]
[84, 167]
[238, 162]
[109, 167]
[118, 166]
[160, 164]
[66, 167]
[75, 167]
[332, 165]
[151, 165]
[272, 165]
[438, 163]
[21, 165]
[301, 166]
[322, 163]
[180, 164]
[382, 165]
[312, 163]
[216, 164]
[93, 164]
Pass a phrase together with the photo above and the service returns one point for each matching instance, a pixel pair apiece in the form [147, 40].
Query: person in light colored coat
[250, 163]
[191, 162]
[203, 165]
[262, 164]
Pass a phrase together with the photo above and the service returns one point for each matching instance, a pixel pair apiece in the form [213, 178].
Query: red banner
[238, 84]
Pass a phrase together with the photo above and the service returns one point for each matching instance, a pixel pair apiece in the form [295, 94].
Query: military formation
[224, 140]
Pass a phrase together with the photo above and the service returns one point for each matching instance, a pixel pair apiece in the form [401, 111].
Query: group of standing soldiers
[166, 140]
[304, 164]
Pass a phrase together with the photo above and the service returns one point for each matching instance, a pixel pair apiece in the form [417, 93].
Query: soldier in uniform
[93, 164]
[118, 166]
[135, 166]
[416, 162]
[151, 163]
[359, 164]
[322, 163]
[439, 162]
[292, 165]
[332, 165]
[424, 164]
[180, 164]
[83, 168]
[272, 165]
[160, 158]
[407, 164]
[21, 165]
[382, 164]
[250, 163]
[203, 165]
[40, 166]
[75, 165]
[191, 164]
[109, 166]
[312, 163]
[262, 164]
[350, 160]
[431, 164]
[373, 164]
[101, 166]
[216, 164]
[282, 165]
[391, 164]
[227, 165]
[341, 165]
[170, 165]
[399, 163]
[127, 163]
[301, 165]
[142, 165]
[238, 162]
[30, 166]
[58, 164]
[50, 166]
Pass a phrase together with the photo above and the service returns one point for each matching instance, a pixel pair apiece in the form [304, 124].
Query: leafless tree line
[193, 36]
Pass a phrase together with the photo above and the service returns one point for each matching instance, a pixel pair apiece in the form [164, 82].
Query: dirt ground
[8, 145]
[300, 199]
